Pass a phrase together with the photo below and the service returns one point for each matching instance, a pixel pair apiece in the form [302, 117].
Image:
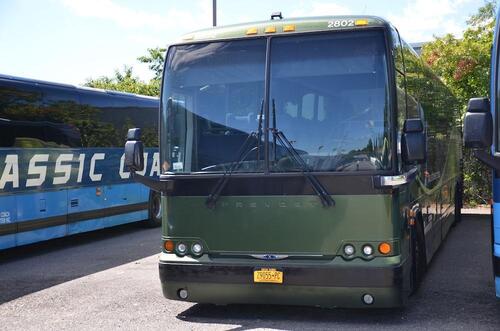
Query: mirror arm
[488, 159]
[162, 186]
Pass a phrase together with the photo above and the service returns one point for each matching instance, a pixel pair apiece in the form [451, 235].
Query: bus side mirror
[134, 150]
[478, 124]
[413, 142]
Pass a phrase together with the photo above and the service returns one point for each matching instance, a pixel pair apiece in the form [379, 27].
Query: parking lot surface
[109, 280]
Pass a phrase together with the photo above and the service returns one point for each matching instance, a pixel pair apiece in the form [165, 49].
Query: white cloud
[451, 26]
[198, 16]
[421, 19]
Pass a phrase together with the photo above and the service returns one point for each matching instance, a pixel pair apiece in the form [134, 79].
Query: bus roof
[73, 87]
[285, 26]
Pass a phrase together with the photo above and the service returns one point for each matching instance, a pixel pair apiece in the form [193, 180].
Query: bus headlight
[367, 250]
[181, 248]
[349, 250]
[197, 248]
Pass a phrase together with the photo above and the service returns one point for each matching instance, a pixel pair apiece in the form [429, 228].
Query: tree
[155, 59]
[464, 64]
[125, 81]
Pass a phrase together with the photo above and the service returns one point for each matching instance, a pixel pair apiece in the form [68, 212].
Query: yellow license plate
[268, 276]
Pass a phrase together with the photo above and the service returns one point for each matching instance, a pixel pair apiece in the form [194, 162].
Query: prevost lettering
[35, 168]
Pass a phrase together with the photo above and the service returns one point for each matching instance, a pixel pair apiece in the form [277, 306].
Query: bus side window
[7, 133]
[400, 77]
[400, 86]
[130, 112]
[144, 115]
[98, 121]
[60, 107]
[19, 105]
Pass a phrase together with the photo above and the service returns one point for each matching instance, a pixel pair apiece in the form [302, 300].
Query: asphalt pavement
[109, 280]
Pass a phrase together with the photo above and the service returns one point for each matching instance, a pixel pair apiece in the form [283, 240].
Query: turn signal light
[384, 248]
[169, 246]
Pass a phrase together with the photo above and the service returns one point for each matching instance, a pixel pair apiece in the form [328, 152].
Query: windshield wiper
[320, 190]
[242, 155]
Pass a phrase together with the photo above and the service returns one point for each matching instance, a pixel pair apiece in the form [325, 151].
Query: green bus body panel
[280, 224]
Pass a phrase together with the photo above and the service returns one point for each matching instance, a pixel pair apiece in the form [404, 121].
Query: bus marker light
[384, 248]
[289, 28]
[349, 250]
[169, 246]
[270, 29]
[367, 250]
[252, 31]
[368, 299]
[361, 22]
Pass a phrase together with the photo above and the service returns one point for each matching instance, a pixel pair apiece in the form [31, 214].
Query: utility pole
[214, 12]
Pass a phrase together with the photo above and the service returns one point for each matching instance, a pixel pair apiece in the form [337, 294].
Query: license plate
[268, 276]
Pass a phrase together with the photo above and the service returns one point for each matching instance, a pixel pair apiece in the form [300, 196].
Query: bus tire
[419, 260]
[459, 193]
[154, 209]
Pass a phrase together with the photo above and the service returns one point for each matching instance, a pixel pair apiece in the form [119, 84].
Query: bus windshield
[328, 94]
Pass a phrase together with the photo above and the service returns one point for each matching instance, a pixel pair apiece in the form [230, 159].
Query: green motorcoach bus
[311, 161]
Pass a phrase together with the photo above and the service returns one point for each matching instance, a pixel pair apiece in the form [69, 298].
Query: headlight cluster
[184, 247]
[367, 250]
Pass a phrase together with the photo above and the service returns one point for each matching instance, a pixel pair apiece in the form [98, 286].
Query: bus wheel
[155, 211]
[419, 261]
[458, 201]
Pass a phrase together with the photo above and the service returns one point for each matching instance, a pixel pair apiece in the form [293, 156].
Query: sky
[70, 41]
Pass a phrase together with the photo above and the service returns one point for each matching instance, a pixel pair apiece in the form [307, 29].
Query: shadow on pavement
[250, 317]
[31, 268]
[457, 292]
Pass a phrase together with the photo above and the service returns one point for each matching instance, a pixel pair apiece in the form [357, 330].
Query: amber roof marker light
[361, 22]
[270, 29]
[252, 31]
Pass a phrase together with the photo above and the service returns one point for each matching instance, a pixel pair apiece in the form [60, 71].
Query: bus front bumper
[303, 284]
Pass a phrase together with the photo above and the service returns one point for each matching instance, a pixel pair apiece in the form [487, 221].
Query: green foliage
[464, 64]
[125, 81]
[155, 59]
